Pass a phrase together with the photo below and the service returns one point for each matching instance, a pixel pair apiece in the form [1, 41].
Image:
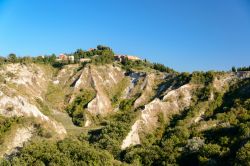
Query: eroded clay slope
[101, 80]
[173, 102]
[20, 89]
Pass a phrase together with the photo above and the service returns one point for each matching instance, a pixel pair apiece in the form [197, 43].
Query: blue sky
[185, 35]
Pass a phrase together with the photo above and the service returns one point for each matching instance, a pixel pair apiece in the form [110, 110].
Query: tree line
[245, 68]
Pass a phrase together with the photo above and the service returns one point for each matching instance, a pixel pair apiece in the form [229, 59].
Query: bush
[243, 155]
[243, 68]
[162, 68]
[116, 129]
[126, 104]
[202, 78]
[77, 109]
[101, 47]
[103, 59]
[66, 152]
[6, 124]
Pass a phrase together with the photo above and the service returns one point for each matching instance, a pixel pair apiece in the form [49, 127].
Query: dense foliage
[66, 152]
[107, 58]
[115, 129]
[77, 108]
[144, 65]
[6, 124]
[234, 69]
[102, 54]
[162, 68]
[12, 58]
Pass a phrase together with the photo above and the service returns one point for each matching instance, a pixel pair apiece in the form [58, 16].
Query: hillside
[111, 113]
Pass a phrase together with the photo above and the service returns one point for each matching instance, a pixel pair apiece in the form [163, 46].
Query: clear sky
[186, 35]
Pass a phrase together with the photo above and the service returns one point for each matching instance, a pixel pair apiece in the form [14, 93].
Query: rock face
[19, 106]
[99, 79]
[147, 90]
[134, 78]
[66, 75]
[21, 136]
[173, 102]
[29, 79]
[132, 137]
[100, 105]
[23, 84]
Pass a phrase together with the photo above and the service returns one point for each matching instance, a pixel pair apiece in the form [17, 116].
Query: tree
[76, 108]
[101, 47]
[12, 58]
[79, 53]
[243, 68]
[107, 53]
[39, 59]
[25, 60]
[162, 68]
[234, 69]
[243, 155]
[2, 60]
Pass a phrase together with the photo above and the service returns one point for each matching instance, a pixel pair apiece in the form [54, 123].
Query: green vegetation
[115, 94]
[101, 55]
[76, 109]
[101, 51]
[136, 65]
[184, 143]
[96, 148]
[234, 69]
[12, 58]
[243, 155]
[43, 107]
[115, 129]
[126, 105]
[6, 124]
[202, 78]
[66, 152]
[144, 65]
[162, 68]
[55, 95]
[103, 59]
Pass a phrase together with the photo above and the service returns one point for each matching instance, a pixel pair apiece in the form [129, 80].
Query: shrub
[77, 109]
[243, 155]
[66, 152]
[202, 78]
[162, 68]
[6, 124]
[103, 59]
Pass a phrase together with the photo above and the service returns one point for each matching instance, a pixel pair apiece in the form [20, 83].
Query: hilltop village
[81, 56]
[98, 55]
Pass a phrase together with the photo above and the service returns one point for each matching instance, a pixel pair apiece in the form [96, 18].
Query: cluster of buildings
[122, 58]
[63, 57]
[70, 58]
